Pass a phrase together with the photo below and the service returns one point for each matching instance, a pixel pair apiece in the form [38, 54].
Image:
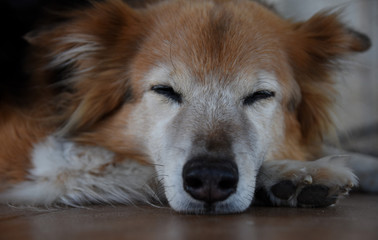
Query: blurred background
[356, 114]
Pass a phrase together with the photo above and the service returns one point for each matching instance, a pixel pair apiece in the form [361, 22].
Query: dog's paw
[303, 184]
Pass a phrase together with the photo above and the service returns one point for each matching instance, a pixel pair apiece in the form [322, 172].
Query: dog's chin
[188, 205]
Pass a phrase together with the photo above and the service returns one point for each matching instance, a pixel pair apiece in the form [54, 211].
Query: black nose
[210, 180]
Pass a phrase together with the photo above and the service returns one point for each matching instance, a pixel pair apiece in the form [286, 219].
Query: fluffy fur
[95, 130]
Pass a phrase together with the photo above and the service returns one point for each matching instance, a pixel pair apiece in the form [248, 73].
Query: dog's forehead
[217, 42]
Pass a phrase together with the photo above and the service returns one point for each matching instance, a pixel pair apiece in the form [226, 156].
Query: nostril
[193, 182]
[228, 183]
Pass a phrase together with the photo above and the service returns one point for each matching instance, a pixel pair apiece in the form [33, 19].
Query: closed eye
[167, 92]
[257, 96]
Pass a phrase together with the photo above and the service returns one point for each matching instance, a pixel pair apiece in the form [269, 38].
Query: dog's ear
[86, 58]
[315, 47]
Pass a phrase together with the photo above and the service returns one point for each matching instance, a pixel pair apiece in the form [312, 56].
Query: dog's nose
[210, 180]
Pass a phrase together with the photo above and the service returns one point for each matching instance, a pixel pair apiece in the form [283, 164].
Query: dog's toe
[284, 189]
[315, 196]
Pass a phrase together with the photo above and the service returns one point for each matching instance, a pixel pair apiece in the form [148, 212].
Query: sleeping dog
[208, 105]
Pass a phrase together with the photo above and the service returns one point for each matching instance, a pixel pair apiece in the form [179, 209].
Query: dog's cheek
[152, 121]
[268, 122]
[164, 140]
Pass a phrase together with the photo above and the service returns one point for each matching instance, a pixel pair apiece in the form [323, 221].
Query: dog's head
[204, 90]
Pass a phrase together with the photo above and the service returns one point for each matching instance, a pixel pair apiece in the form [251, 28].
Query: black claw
[315, 196]
[284, 189]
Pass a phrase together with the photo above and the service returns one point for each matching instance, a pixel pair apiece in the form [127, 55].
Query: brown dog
[199, 102]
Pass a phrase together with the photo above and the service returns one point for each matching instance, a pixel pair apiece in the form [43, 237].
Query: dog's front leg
[303, 184]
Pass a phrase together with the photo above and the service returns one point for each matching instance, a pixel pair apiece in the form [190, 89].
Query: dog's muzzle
[210, 179]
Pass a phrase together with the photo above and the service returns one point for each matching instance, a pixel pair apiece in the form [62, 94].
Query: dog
[207, 105]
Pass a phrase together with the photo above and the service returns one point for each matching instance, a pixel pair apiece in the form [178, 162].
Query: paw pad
[315, 196]
[286, 193]
[284, 189]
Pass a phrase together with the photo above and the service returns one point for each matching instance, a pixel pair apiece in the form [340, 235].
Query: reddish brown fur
[92, 110]
[20, 130]
[318, 43]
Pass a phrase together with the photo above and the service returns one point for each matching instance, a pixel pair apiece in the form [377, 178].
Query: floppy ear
[86, 58]
[316, 46]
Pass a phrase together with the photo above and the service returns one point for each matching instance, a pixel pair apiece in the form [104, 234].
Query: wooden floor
[353, 218]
